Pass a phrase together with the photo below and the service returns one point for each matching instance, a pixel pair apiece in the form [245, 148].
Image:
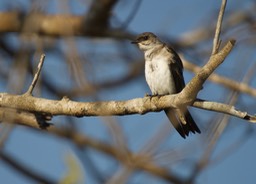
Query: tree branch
[218, 79]
[36, 76]
[134, 106]
[223, 108]
[54, 25]
[99, 15]
[216, 40]
[189, 93]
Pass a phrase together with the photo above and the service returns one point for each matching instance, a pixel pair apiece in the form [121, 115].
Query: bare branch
[141, 106]
[134, 106]
[216, 41]
[72, 108]
[189, 93]
[223, 108]
[14, 116]
[36, 76]
[218, 79]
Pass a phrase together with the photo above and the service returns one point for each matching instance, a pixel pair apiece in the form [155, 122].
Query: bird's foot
[147, 95]
[154, 95]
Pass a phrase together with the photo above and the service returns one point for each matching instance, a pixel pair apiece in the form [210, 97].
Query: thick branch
[72, 108]
[80, 109]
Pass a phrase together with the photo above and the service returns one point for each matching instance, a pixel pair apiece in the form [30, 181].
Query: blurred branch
[218, 131]
[5, 132]
[99, 15]
[121, 175]
[233, 20]
[53, 25]
[31, 119]
[219, 127]
[136, 161]
[18, 117]
[135, 70]
[15, 164]
[131, 15]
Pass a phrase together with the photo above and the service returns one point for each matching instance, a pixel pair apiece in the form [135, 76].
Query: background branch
[132, 160]
[19, 167]
[55, 25]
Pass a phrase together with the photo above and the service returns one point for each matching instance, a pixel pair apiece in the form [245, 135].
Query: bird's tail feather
[182, 121]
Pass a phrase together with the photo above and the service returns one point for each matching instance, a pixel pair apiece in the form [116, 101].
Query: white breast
[158, 76]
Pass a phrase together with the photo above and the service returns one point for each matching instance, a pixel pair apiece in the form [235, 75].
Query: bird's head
[146, 41]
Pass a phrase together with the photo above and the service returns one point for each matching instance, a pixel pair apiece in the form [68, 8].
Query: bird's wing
[176, 68]
[184, 122]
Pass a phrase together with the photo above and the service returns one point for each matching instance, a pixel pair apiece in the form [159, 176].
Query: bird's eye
[145, 37]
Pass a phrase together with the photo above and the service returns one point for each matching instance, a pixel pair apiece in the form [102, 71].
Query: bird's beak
[134, 42]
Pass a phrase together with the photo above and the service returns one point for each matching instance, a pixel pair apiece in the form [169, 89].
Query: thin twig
[223, 108]
[216, 41]
[36, 76]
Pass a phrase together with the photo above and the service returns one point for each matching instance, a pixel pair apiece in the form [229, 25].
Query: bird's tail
[182, 121]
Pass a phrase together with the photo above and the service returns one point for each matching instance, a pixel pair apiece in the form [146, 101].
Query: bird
[164, 76]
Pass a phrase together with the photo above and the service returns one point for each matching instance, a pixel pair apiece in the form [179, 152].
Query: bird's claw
[147, 95]
[151, 96]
